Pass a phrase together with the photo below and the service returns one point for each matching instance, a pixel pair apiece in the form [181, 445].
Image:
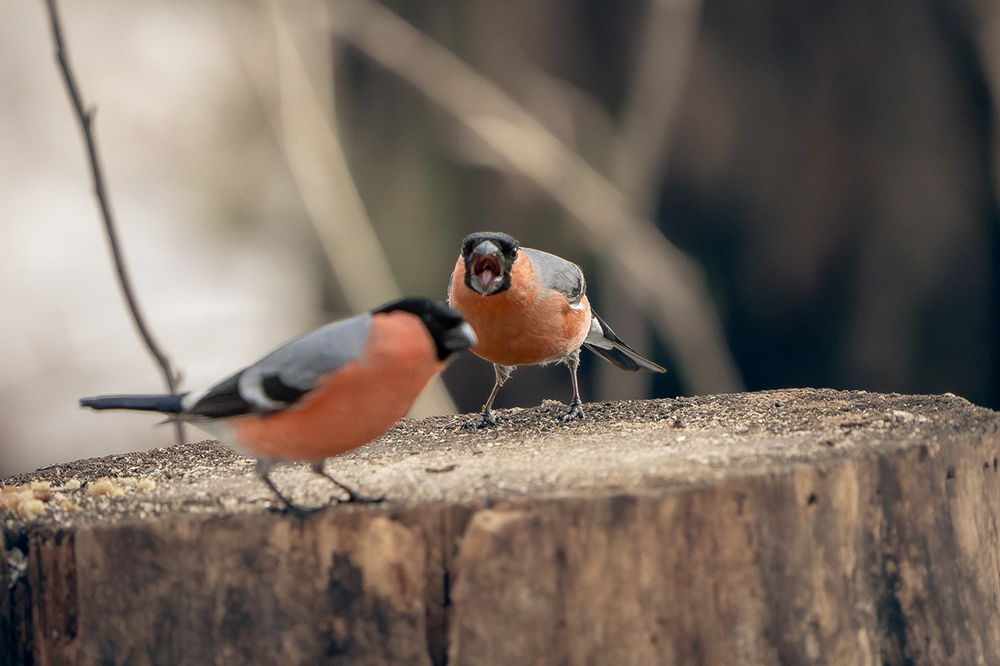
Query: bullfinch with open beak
[530, 307]
[324, 393]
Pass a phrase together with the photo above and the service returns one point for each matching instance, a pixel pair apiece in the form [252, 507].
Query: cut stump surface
[796, 526]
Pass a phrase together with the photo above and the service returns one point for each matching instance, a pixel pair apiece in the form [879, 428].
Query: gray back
[559, 274]
[299, 362]
[281, 378]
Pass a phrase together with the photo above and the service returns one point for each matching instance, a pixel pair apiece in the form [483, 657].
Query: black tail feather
[165, 403]
[620, 354]
[615, 356]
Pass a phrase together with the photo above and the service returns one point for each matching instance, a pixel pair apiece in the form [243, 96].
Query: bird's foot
[575, 412]
[487, 419]
[287, 507]
[353, 496]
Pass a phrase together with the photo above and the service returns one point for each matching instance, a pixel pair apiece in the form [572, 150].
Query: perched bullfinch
[324, 393]
[530, 307]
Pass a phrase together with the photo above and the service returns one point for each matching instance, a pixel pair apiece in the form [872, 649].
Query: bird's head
[489, 257]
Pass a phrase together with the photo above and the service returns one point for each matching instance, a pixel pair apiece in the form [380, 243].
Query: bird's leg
[263, 469]
[575, 407]
[502, 374]
[352, 495]
[487, 417]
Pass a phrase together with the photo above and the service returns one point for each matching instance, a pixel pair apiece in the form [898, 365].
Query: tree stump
[797, 526]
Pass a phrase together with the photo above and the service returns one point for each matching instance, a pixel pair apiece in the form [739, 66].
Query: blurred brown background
[830, 170]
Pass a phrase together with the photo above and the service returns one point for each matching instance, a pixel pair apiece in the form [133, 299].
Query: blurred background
[762, 195]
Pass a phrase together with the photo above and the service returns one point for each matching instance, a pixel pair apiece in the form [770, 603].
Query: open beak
[486, 265]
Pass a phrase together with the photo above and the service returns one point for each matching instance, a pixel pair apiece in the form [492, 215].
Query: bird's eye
[513, 253]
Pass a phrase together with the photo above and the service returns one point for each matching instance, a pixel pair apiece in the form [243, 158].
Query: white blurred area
[210, 221]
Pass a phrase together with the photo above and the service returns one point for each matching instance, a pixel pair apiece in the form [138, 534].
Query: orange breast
[358, 403]
[524, 325]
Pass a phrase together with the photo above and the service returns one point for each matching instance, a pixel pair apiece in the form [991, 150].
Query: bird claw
[575, 413]
[353, 496]
[487, 419]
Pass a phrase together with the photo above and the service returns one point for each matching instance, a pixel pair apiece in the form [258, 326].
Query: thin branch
[86, 116]
[669, 284]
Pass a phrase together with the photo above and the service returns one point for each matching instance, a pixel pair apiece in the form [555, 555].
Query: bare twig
[660, 277]
[85, 116]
